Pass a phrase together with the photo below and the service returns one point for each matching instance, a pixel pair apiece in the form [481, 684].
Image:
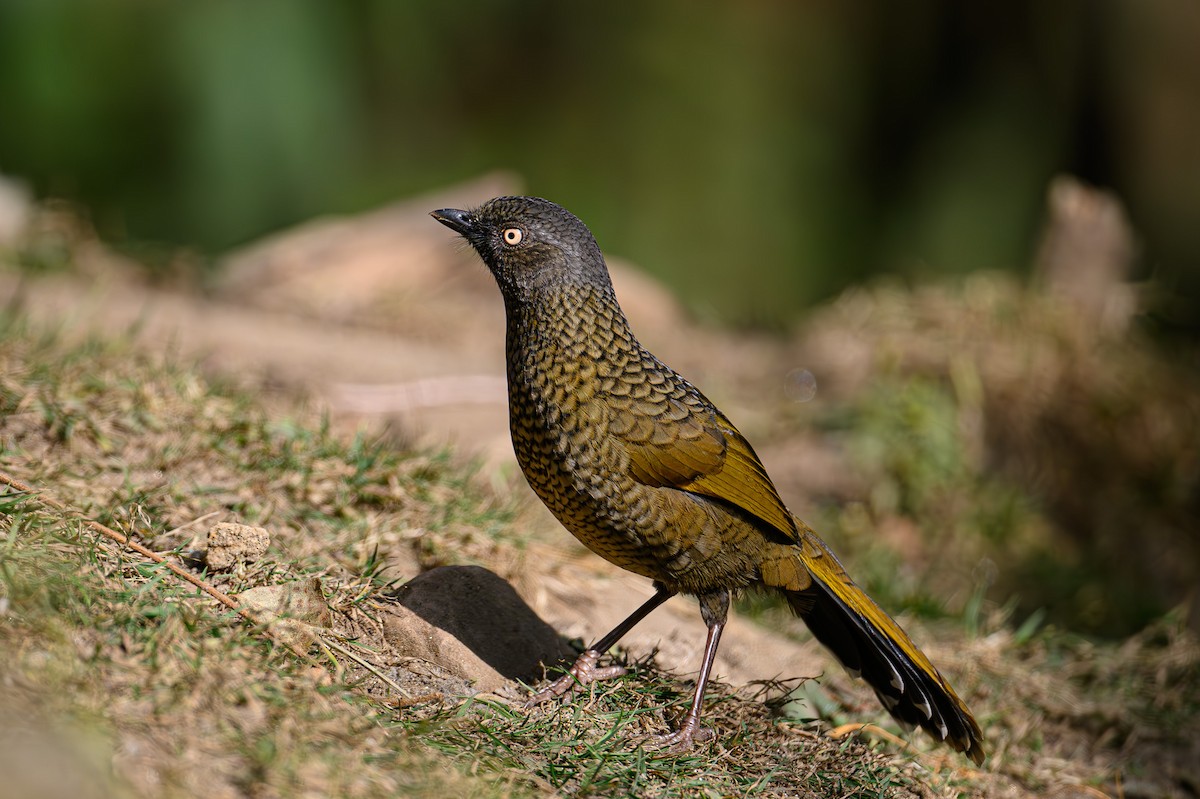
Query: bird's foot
[584, 672]
[688, 735]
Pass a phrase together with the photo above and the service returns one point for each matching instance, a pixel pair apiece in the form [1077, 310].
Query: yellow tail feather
[872, 645]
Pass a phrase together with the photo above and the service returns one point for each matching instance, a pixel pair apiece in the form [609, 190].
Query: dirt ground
[388, 323]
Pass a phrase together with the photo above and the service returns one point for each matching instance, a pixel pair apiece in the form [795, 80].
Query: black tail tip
[970, 744]
[974, 750]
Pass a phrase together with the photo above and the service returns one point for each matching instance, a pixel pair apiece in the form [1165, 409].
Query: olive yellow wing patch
[692, 447]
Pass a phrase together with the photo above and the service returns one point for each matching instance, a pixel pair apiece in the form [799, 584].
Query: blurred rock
[396, 269]
[16, 209]
[1086, 253]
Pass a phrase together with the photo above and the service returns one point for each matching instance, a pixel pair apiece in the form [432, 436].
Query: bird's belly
[593, 507]
[667, 535]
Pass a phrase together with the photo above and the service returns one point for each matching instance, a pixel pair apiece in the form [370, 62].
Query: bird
[646, 472]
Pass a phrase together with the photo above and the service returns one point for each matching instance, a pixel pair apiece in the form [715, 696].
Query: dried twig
[183, 574]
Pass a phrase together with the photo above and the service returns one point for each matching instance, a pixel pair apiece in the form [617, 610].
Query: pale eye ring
[512, 236]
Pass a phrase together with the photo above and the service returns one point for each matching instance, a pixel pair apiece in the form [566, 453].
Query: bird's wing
[683, 442]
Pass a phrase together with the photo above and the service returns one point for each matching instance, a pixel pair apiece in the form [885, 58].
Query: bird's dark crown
[529, 243]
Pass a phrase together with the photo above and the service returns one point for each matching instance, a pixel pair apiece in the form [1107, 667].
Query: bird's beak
[460, 222]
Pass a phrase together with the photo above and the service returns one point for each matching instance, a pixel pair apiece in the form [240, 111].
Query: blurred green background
[759, 156]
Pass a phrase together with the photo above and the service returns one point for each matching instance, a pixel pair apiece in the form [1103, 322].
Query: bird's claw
[688, 735]
[582, 673]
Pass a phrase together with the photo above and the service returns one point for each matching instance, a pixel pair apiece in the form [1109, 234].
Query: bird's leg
[584, 671]
[714, 608]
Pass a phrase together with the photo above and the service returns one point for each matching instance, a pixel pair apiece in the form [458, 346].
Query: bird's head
[529, 244]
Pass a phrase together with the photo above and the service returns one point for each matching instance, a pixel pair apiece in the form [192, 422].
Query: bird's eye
[512, 236]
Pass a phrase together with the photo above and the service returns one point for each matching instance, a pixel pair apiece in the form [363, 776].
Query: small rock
[230, 543]
[472, 623]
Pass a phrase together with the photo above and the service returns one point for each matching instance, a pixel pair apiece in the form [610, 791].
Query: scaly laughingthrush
[650, 475]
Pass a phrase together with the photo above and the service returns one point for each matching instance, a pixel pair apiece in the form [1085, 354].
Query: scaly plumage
[644, 470]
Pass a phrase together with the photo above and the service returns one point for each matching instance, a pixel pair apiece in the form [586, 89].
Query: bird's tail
[870, 644]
